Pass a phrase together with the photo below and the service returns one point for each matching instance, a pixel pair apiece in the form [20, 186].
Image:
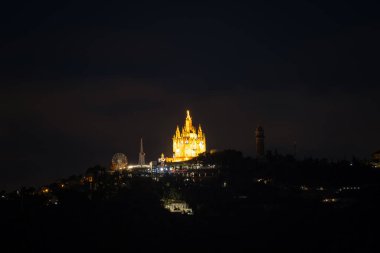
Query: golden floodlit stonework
[189, 142]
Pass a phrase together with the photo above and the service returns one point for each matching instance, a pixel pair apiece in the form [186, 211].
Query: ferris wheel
[119, 161]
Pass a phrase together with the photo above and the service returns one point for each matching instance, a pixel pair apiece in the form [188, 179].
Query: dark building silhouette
[260, 151]
[375, 162]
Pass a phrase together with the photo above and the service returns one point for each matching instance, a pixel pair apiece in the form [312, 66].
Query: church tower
[260, 151]
[141, 154]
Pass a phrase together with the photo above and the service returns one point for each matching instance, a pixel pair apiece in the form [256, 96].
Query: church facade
[189, 142]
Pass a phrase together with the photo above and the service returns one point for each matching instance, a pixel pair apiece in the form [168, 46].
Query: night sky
[82, 81]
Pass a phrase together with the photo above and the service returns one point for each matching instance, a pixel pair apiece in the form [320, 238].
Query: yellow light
[189, 143]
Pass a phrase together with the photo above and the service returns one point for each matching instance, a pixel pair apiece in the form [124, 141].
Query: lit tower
[141, 154]
[260, 142]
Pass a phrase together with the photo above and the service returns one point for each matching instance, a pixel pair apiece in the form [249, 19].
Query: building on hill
[260, 150]
[189, 142]
[375, 162]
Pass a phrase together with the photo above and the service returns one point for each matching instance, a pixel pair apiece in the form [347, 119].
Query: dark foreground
[265, 219]
[281, 205]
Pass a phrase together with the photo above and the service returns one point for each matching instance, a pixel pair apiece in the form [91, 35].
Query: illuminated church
[189, 142]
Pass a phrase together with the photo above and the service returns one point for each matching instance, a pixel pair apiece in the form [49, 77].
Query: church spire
[188, 122]
[200, 133]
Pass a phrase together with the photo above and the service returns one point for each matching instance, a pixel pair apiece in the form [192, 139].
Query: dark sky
[81, 81]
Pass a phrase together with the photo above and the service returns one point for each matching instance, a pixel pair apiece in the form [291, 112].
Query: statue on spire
[188, 122]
